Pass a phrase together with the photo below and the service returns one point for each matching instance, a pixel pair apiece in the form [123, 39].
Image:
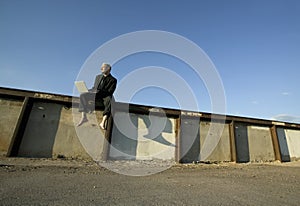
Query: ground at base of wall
[80, 162]
[27, 181]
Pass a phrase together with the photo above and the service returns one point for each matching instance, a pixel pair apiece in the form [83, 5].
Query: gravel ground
[77, 182]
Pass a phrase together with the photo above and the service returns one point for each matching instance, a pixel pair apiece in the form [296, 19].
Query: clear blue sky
[253, 44]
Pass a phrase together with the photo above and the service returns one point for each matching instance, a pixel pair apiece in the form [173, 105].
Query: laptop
[81, 87]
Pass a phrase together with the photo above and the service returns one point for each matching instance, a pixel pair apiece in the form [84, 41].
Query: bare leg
[83, 119]
[102, 124]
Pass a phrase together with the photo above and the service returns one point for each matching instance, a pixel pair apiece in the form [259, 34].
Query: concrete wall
[253, 143]
[260, 144]
[293, 143]
[222, 150]
[189, 139]
[10, 111]
[138, 137]
[50, 132]
[89, 135]
[204, 141]
[283, 145]
[124, 136]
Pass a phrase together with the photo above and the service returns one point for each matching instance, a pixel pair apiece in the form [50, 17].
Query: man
[102, 91]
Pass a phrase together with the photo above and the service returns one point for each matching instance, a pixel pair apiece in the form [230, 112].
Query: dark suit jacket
[105, 89]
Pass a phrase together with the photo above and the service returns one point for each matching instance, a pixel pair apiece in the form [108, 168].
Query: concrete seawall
[35, 124]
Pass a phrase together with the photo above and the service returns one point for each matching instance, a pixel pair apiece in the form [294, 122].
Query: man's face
[104, 70]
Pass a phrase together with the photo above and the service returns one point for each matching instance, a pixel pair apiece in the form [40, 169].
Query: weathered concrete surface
[66, 141]
[89, 135]
[284, 149]
[124, 136]
[50, 132]
[222, 150]
[260, 144]
[242, 143]
[41, 129]
[293, 142]
[201, 141]
[10, 111]
[156, 138]
[135, 137]
[253, 143]
[189, 140]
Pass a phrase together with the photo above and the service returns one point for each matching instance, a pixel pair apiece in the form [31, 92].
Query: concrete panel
[50, 132]
[66, 141]
[10, 110]
[222, 151]
[124, 136]
[156, 138]
[260, 144]
[293, 142]
[90, 136]
[189, 140]
[253, 143]
[40, 132]
[284, 149]
[135, 137]
[242, 143]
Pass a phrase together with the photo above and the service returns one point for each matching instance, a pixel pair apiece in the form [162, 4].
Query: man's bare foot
[83, 120]
[102, 125]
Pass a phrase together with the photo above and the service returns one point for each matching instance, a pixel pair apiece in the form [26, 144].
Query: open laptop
[81, 87]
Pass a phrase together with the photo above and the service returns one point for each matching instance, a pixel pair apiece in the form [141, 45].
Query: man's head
[105, 68]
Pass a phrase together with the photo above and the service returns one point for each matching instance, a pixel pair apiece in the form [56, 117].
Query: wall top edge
[135, 108]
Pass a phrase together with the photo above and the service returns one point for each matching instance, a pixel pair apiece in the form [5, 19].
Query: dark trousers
[89, 100]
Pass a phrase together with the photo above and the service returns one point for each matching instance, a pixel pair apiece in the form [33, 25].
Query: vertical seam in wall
[275, 142]
[232, 137]
[177, 139]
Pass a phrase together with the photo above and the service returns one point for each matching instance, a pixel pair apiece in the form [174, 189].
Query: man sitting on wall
[102, 91]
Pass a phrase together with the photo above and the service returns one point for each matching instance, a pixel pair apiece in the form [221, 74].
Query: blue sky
[254, 46]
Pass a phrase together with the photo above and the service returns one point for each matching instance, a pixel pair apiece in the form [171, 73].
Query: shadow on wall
[124, 143]
[242, 143]
[155, 130]
[189, 140]
[124, 140]
[284, 150]
[40, 132]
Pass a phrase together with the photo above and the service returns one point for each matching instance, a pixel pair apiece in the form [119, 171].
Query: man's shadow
[125, 138]
[156, 126]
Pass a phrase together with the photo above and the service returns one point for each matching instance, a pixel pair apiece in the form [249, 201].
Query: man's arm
[96, 83]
